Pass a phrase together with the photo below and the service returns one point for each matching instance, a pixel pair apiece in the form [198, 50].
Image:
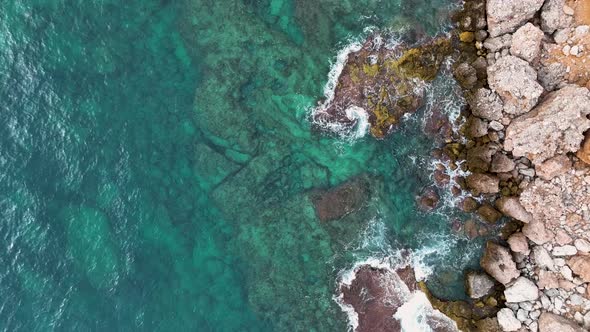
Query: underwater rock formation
[335, 203]
[383, 81]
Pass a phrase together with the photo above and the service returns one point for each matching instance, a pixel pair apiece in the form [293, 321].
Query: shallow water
[156, 160]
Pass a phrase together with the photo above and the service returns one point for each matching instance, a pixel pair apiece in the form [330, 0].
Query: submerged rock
[338, 202]
[385, 82]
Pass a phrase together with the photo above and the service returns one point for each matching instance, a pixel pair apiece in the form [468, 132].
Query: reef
[385, 80]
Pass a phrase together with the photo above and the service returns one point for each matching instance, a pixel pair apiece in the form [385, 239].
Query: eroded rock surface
[505, 16]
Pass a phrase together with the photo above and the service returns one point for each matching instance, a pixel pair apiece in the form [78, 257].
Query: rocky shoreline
[525, 69]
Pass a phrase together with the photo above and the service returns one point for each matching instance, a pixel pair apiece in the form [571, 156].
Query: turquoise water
[156, 160]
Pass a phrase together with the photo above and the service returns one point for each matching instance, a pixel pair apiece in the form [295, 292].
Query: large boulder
[505, 16]
[549, 322]
[511, 207]
[515, 81]
[537, 232]
[335, 203]
[521, 290]
[555, 126]
[478, 285]
[553, 16]
[526, 42]
[580, 265]
[518, 243]
[483, 183]
[497, 262]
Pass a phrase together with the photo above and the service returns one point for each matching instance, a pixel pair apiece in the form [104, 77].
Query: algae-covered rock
[386, 82]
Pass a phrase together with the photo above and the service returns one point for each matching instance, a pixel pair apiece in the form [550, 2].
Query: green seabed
[156, 159]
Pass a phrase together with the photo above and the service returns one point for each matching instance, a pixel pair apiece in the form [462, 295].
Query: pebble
[566, 272]
[576, 299]
[535, 314]
[521, 315]
[574, 51]
[582, 245]
[559, 261]
[495, 125]
[534, 326]
[567, 250]
[568, 10]
[566, 50]
[545, 302]
[579, 318]
[528, 306]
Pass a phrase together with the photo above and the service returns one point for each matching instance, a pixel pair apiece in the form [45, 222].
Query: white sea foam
[413, 315]
[335, 72]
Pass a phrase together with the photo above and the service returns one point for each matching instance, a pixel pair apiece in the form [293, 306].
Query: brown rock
[518, 243]
[478, 285]
[483, 183]
[488, 213]
[498, 263]
[562, 238]
[429, 199]
[338, 202]
[488, 325]
[553, 167]
[547, 279]
[584, 151]
[479, 158]
[470, 229]
[511, 207]
[501, 163]
[549, 322]
[469, 204]
[580, 265]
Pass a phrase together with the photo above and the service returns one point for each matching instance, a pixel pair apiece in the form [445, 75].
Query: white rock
[534, 326]
[566, 272]
[521, 290]
[558, 303]
[574, 51]
[568, 10]
[542, 258]
[579, 317]
[566, 50]
[522, 315]
[559, 261]
[576, 299]
[535, 314]
[587, 320]
[582, 245]
[495, 125]
[528, 306]
[507, 320]
[567, 250]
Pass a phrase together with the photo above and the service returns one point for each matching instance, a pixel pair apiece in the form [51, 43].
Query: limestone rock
[567, 250]
[549, 322]
[580, 265]
[498, 43]
[511, 207]
[537, 232]
[486, 104]
[501, 163]
[507, 320]
[526, 42]
[555, 126]
[551, 76]
[515, 81]
[521, 290]
[542, 258]
[518, 243]
[498, 263]
[548, 279]
[582, 245]
[483, 183]
[478, 285]
[552, 16]
[507, 15]
[553, 167]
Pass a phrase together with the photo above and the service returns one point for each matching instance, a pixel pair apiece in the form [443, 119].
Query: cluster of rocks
[527, 150]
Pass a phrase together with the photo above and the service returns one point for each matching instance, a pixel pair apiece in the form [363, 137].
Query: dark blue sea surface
[157, 160]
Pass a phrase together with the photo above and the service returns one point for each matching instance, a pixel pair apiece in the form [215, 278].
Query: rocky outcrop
[505, 16]
[515, 81]
[555, 126]
[497, 262]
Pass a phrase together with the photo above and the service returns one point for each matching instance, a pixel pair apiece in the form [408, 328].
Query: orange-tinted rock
[580, 265]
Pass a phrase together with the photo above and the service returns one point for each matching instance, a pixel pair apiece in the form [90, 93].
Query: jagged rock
[498, 263]
[552, 16]
[476, 127]
[547, 279]
[483, 183]
[479, 158]
[488, 213]
[555, 126]
[552, 76]
[518, 243]
[542, 258]
[553, 167]
[515, 81]
[501, 163]
[580, 265]
[498, 43]
[521, 290]
[478, 285]
[507, 320]
[536, 231]
[526, 42]
[506, 15]
[549, 322]
[511, 207]
[466, 75]
[486, 104]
